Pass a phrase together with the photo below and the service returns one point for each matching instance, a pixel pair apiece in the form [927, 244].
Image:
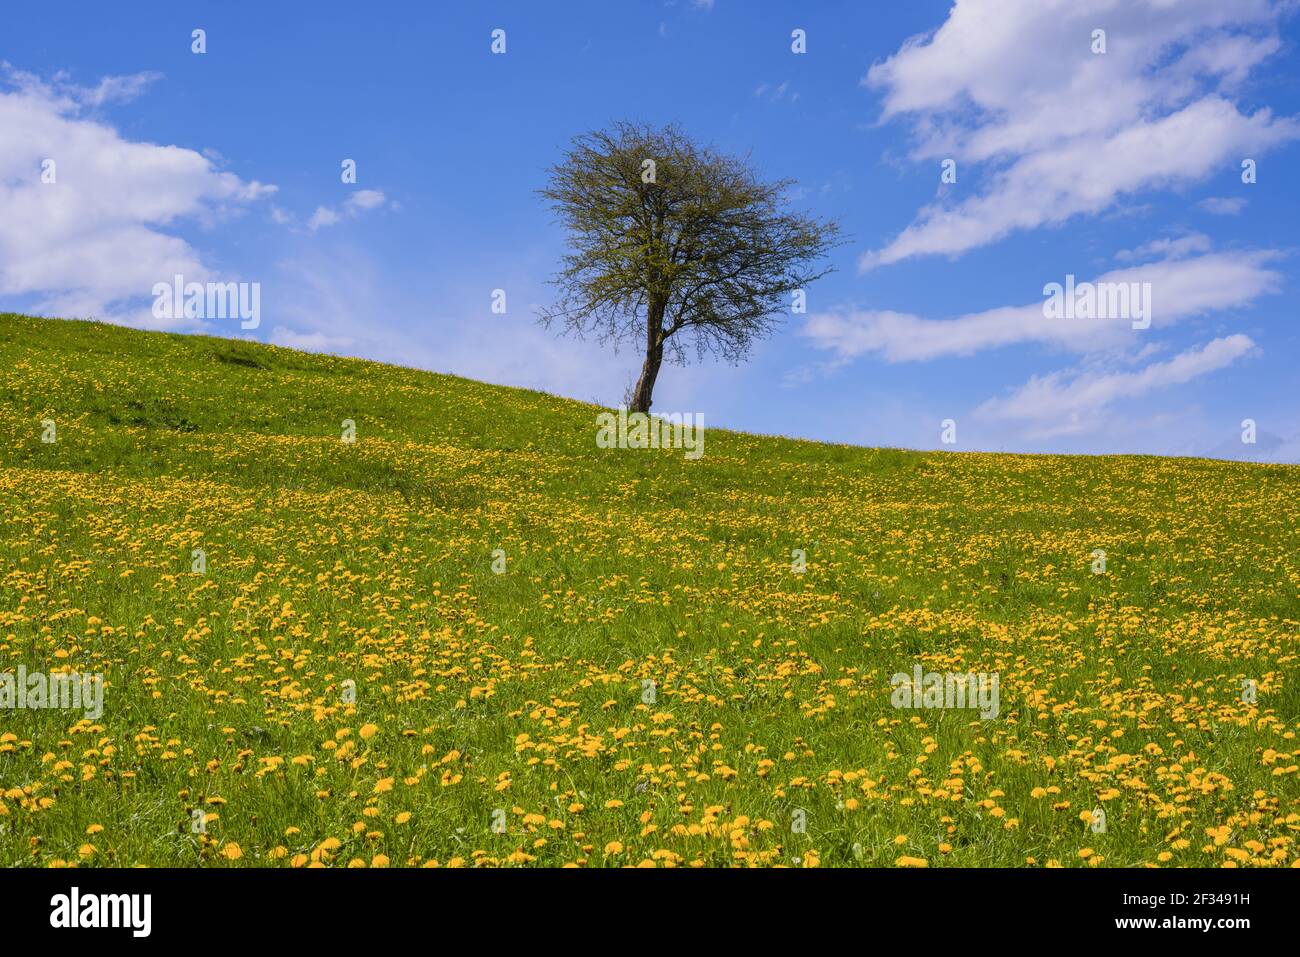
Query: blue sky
[226, 166]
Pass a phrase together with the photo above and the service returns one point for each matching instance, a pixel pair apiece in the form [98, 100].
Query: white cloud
[1073, 402]
[1223, 205]
[324, 216]
[1180, 288]
[94, 241]
[120, 89]
[776, 92]
[1013, 85]
[1168, 248]
[363, 200]
[71, 96]
[312, 341]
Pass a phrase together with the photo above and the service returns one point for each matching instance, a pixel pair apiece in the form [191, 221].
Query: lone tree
[673, 245]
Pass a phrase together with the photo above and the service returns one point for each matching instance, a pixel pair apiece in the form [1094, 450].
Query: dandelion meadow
[462, 634]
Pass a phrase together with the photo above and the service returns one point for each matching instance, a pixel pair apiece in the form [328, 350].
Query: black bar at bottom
[338, 907]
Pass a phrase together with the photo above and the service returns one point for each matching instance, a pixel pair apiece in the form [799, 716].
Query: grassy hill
[651, 679]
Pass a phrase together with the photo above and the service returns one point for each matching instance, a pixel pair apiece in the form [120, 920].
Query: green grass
[371, 563]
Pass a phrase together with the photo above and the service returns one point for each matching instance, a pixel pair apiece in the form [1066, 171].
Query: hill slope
[348, 678]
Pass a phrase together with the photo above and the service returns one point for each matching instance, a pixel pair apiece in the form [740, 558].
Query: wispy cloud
[1014, 86]
[69, 96]
[1075, 401]
[1180, 288]
[776, 92]
[1170, 247]
[363, 200]
[1223, 205]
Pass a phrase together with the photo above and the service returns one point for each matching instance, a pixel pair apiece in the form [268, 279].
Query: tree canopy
[675, 246]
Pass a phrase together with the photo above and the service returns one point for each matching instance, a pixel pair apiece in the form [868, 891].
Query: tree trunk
[654, 357]
[641, 396]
